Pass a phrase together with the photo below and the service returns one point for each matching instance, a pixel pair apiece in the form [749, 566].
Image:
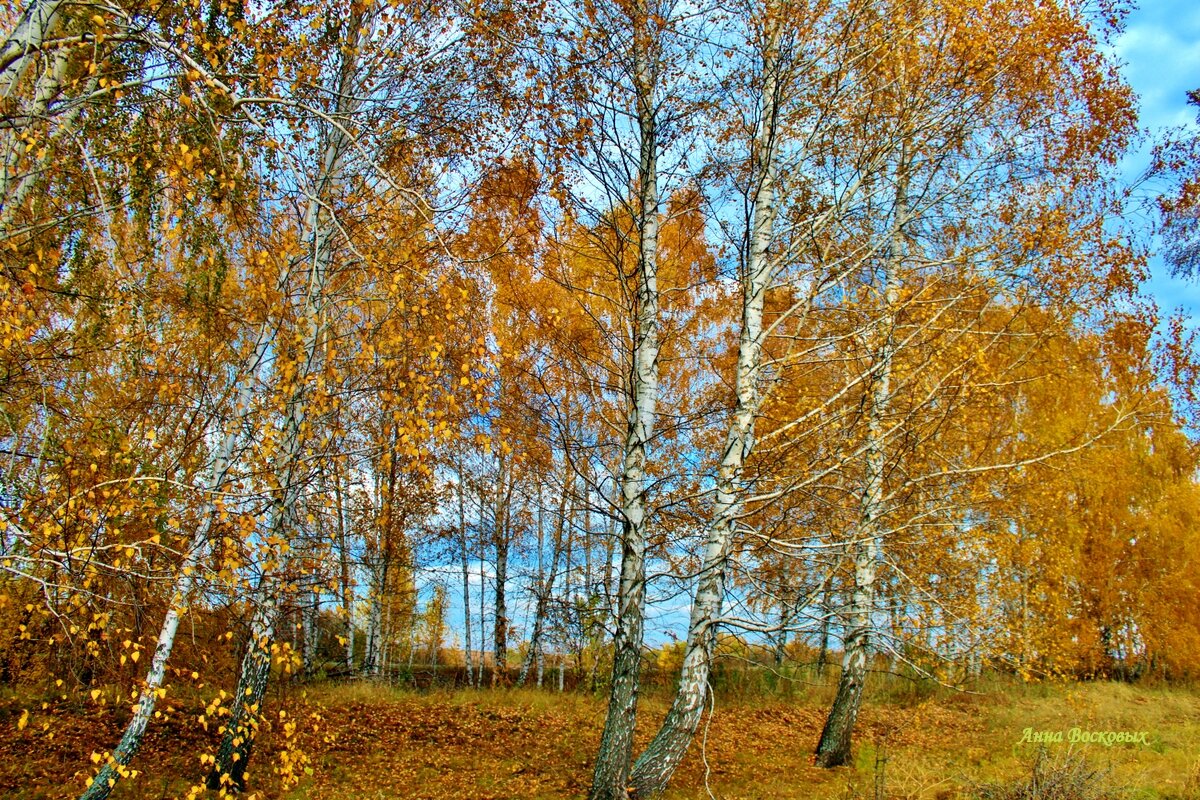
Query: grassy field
[369, 741]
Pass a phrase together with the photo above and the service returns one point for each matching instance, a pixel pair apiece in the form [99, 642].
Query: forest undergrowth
[369, 740]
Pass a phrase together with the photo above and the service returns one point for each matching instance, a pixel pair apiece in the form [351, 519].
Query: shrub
[1067, 776]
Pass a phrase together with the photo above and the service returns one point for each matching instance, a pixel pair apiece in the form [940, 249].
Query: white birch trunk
[234, 751]
[310, 618]
[826, 615]
[610, 777]
[18, 177]
[658, 762]
[20, 49]
[833, 748]
[539, 582]
[500, 540]
[482, 595]
[104, 781]
[373, 657]
[344, 558]
[545, 585]
[466, 578]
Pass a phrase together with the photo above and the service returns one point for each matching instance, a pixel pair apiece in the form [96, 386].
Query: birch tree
[833, 749]
[634, 35]
[616, 68]
[656, 764]
[319, 236]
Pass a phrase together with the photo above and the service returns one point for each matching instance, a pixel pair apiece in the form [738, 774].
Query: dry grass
[1065, 775]
[379, 742]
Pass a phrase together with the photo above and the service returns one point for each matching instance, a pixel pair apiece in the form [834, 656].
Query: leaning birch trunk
[310, 617]
[610, 777]
[234, 750]
[544, 587]
[833, 748]
[659, 761]
[229, 770]
[18, 178]
[344, 557]
[500, 534]
[104, 781]
[34, 27]
[466, 577]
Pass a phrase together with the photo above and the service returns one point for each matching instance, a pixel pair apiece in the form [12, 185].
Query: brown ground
[369, 742]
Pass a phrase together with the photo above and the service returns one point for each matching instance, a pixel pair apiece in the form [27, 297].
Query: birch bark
[466, 578]
[34, 27]
[660, 759]
[18, 178]
[347, 590]
[610, 776]
[108, 776]
[544, 587]
[233, 753]
[500, 538]
[833, 748]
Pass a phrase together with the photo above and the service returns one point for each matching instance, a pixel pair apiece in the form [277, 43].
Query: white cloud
[1160, 55]
[1160, 49]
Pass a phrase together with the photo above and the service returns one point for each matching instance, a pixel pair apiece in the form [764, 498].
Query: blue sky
[1160, 51]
